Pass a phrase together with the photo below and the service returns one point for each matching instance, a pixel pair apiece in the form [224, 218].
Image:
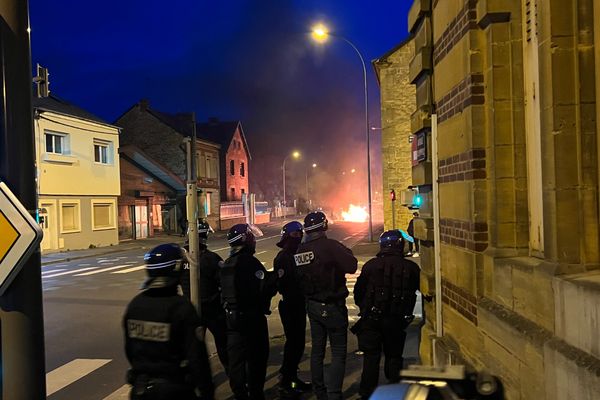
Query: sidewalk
[353, 367]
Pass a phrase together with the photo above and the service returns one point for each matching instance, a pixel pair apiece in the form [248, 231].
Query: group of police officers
[164, 334]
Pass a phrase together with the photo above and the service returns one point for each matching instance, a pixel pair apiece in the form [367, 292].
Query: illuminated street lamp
[320, 34]
[352, 170]
[295, 155]
[314, 165]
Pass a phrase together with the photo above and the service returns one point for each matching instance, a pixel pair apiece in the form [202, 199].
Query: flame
[355, 214]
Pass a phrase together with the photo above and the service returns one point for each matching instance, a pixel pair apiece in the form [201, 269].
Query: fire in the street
[355, 214]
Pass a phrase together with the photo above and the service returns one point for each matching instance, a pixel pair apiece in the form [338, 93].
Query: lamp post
[320, 33]
[314, 165]
[296, 155]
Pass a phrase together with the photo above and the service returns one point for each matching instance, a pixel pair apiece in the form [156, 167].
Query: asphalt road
[84, 301]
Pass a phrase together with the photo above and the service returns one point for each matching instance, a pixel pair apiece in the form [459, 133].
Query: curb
[69, 259]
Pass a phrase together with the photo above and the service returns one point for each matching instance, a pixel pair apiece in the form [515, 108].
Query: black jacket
[322, 265]
[397, 291]
[289, 279]
[160, 334]
[246, 286]
[210, 286]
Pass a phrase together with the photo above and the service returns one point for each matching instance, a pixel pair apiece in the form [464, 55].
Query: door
[141, 222]
[47, 215]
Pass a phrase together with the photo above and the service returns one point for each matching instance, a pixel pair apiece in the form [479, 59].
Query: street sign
[20, 235]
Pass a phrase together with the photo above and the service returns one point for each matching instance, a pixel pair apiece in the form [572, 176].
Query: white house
[78, 176]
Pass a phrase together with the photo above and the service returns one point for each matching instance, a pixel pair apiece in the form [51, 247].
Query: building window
[70, 217]
[242, 169]
[56, 143]
[201, 166]
[102, 152]
[243, 192]
[232, 167]
[103, 214]
[232, 194]
[211, 167]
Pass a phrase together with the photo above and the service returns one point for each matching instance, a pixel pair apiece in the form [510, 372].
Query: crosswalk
[54, 271]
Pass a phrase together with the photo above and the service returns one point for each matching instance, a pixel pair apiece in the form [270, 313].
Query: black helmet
[394, 238]
[315, 221]
[204, 230]
[291, 229]
[241, 235]
[163, 265]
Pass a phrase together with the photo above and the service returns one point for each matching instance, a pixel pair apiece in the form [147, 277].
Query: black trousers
[387, 334]
[328, 320]
[248, 352]
[213, 318]
[293, 319]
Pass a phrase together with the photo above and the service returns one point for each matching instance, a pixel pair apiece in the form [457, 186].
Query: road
[84, 301]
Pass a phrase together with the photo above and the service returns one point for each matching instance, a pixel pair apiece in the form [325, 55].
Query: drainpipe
[439, 331]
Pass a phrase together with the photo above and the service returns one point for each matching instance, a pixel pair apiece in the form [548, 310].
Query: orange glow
[355, 214]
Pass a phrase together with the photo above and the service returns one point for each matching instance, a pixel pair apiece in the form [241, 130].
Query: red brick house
[234, 155]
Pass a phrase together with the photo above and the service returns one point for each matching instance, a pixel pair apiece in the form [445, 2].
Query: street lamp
[296, 155]
[314, 165]
[320, 33]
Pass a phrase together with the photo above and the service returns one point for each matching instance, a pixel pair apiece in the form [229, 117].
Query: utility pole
[22, 365]
[192, 216]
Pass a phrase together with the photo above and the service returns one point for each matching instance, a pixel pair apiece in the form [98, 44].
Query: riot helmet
[315, 221]
[163, 265]
[204, 230]
[241, 235]
[290, 230]
[395, 238]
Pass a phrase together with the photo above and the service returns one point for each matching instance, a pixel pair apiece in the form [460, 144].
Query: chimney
[144, 104]
[43, 84]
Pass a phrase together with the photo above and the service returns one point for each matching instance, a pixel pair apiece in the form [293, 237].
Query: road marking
[120, 394]
[54, 265]
[352, 307]
[98, 271]
[106, 261]
[261, 252]
[53, 271]
[65, 375]
[131, 262]
[346, 238]
[128, 270]
[69, 272]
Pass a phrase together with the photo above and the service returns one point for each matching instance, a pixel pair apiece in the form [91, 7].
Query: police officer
[385, 294]
[211, 311]
[322, 264]
[246, 295]
[292, 310]
[168, 360]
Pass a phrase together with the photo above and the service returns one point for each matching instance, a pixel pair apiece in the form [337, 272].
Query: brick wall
[236, 153]
[397, 105]
[156, 139]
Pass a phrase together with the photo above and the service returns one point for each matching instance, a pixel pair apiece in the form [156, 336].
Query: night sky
[246, 60]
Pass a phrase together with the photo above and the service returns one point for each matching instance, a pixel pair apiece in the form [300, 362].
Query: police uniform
[385, 294]
[292, 310]
[212, 313]
[322, 264]
[168, 360]
[246, 294]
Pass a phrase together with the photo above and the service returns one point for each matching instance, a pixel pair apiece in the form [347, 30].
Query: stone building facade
[397, 106]
[514, 85]
[160, 136]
